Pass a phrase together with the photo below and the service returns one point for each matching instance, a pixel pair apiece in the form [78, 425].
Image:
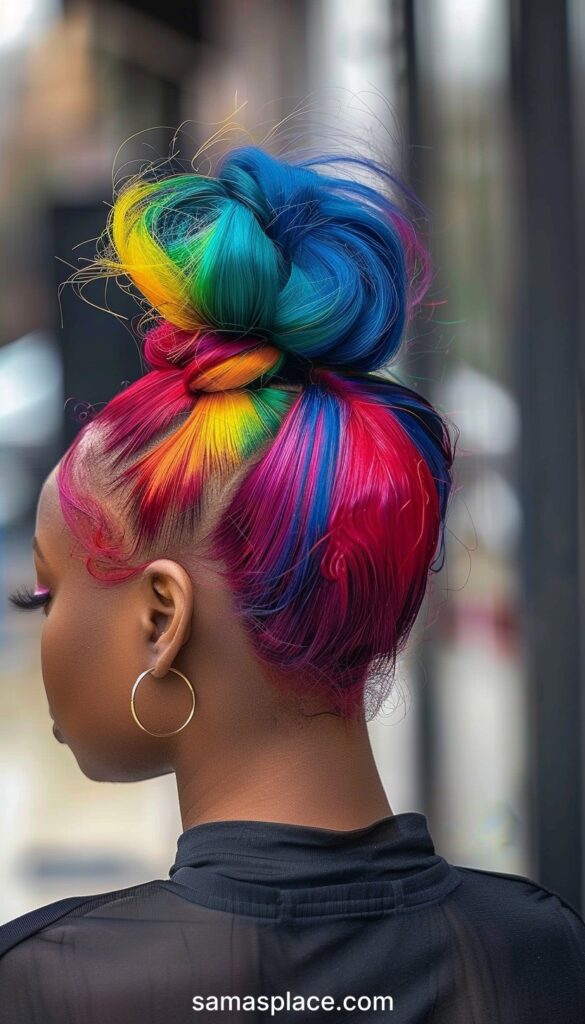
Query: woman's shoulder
[522, 901]
[15, 932]
[104, 944]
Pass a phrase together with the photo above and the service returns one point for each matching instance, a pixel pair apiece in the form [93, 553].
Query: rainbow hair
[276, 290]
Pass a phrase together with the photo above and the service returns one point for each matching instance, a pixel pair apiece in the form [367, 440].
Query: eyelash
[25, 598]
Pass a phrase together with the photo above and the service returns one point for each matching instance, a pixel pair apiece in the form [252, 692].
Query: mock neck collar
[268, 863]
[283, 853]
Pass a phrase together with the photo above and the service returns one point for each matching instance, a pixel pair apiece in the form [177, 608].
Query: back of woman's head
[260, 440]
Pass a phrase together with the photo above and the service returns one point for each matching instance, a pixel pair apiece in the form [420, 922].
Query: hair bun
[210, 361]
[314, 265]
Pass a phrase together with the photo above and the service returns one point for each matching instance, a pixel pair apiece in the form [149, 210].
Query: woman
[230, 557]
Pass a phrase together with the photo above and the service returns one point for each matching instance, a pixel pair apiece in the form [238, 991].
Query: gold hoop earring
[133, 708]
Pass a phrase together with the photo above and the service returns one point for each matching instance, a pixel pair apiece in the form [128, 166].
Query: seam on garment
[398, 894]
[228, 855]
[507, 875]
[282, 908]
[42, 919]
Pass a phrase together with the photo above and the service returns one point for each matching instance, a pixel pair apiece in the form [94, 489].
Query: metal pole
[546, 371]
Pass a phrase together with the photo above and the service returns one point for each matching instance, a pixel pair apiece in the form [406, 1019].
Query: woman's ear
[169, 609]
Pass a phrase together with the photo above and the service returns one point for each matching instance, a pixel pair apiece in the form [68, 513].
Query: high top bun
[320, 266]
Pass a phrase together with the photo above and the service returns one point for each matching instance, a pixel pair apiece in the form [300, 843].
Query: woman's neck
[321, 773]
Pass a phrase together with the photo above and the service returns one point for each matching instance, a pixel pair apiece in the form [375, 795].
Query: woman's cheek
[65, 670]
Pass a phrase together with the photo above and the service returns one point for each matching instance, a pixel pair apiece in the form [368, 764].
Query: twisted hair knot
[211, 360]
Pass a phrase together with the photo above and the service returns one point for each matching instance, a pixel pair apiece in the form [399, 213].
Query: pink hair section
[359, 585]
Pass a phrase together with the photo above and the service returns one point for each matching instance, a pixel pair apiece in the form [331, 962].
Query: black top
[298, 923]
